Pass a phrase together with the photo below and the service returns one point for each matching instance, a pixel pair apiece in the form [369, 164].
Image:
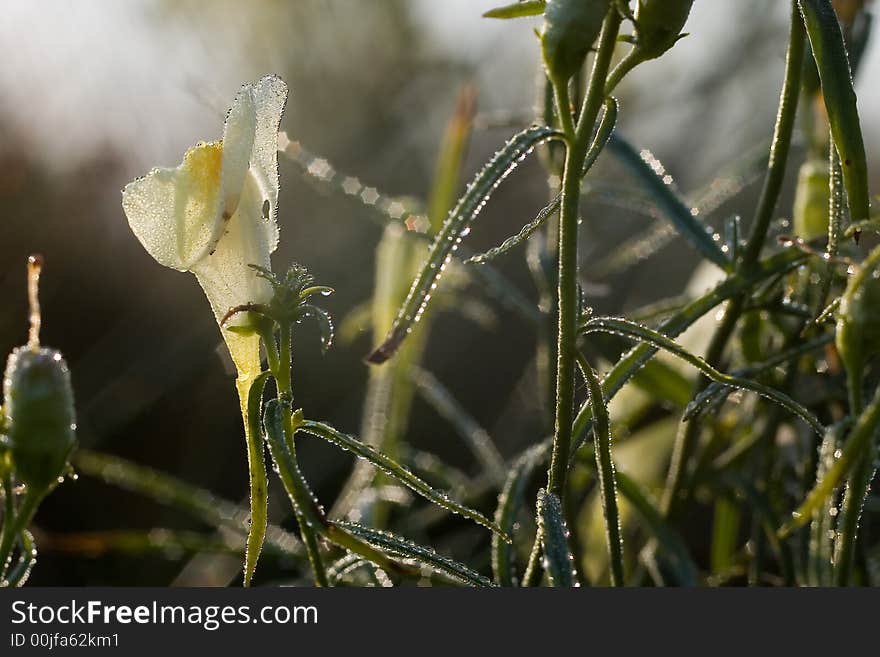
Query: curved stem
[632, 59]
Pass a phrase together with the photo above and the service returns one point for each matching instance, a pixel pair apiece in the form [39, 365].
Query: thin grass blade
[394, 469]
[603, 133]
[633, 331]
[402, 548]
[454, 229]
[259, 484]
[558, 559]
[631, 361]
[643, 167]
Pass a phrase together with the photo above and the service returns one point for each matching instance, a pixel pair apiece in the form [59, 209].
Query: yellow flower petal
[175, 213]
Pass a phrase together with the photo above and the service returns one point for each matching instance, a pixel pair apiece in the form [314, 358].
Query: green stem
[283, 377]
[577, 143]
[632, 59]
[296, 487]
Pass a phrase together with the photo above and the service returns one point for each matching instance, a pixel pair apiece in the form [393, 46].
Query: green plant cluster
[775, 419]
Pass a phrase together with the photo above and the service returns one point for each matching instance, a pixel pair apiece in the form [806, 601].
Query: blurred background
[93, 94]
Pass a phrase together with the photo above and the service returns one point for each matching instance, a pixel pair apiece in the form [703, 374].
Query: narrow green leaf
[829, 51]
[836, 212]
[641, 333]
[725, 530]
[394, 469]
[669, 202]
[259, 484]
[631, 361]
[517, 9]
[402, 548]
[603, 133]
[558, 559]
[707, 200]
[510, 502]
[605, 470]
[308, 512]
[454, 229]
[715, 393]
[405, 211]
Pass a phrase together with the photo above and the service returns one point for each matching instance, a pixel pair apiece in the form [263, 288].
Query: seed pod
[570, 28]
[858, 323]
[811, 200]
[659, 24]
[38, 400]
[39, 406]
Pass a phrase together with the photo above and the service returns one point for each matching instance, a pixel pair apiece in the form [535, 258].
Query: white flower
[215, 213]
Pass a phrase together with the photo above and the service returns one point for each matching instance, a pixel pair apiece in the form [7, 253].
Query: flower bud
[659, 24]
[570, 28]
